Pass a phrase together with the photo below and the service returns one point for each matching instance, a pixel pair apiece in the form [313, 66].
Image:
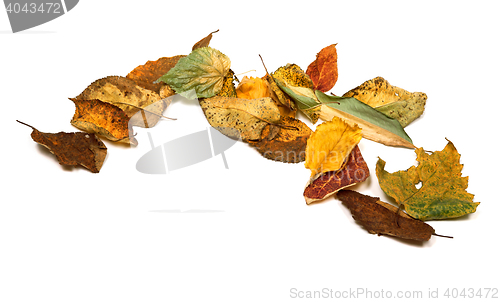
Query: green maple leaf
[443, 192]
[203, 70]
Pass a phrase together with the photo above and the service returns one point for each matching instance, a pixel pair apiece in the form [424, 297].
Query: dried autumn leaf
[378, 217]
[390, 100]
[248, 117]
[443, 191]
[323, 71]
[305, 99]
[288, 145]
[77, 148]
[253, 88]
[103, 119]
[293, 75]
[376, 126]
[355, 171]
[204, 42]
[204, 70]
[285, 103]
[330, 145]
[146, 75]
[125, 94]
[165, 92]
[228, 89]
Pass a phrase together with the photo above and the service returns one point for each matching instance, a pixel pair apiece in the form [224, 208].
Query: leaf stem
[25, 124]
[244, 72]
[451, 237]
[263, 63]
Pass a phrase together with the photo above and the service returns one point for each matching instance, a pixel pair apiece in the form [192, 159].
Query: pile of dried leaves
[263, 113]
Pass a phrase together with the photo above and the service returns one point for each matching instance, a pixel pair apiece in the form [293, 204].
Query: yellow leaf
[390, 100]
[240, 118]
[255, 88]
[330, 145]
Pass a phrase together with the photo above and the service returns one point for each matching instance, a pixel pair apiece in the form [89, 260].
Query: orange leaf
[289, 145]
[145, 75]
[253, 88]
[323, 71]
[103, 119]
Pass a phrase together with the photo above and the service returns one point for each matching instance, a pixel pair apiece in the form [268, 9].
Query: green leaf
[376, 125]
[203, 70]
[443, 192]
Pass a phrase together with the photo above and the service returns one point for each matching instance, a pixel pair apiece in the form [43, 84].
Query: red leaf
[323, 71]
[355, 171]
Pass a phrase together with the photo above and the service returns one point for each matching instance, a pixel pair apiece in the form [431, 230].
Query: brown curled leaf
[205, 41]
[355, 171]
[103, 119]
[77, 148]
[145, 75]
[288, 145]
[378, 217]
[131, 98]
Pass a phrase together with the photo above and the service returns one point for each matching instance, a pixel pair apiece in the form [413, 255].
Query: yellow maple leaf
[330, 145]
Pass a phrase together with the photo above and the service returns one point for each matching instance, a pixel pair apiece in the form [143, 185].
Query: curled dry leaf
[288, 145]
[204, 42]
[355, 171]
[443, 192]
[248, 117]
[378, 217]
[146, 75]
[323, 71]
[330, 145]
[77, 148]
[281, 98]
[253, 88]
[125, 94]
[390, 100]
[103, 119]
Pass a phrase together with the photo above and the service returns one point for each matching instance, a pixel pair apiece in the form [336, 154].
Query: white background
[70, 235]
